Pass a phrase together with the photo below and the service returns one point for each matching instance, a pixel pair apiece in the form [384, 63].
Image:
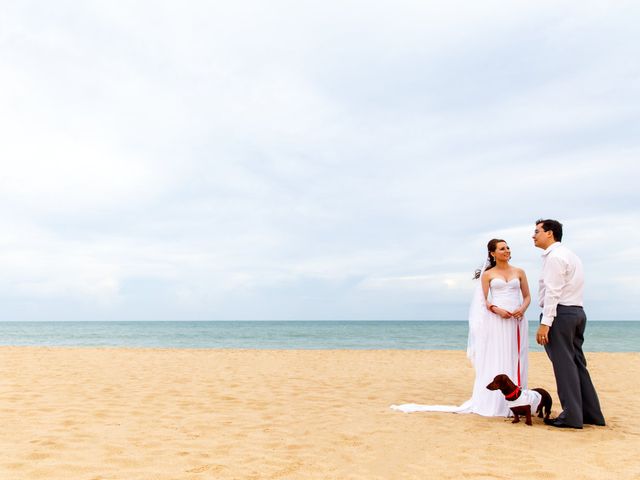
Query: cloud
[351, 160]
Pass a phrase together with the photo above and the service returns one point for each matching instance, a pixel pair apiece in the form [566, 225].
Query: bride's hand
[503, 313]
[518, 314]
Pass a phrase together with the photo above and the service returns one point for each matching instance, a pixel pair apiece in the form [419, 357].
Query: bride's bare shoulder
[488, 275]
[519, 271]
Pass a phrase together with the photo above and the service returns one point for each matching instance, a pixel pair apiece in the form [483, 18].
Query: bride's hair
[490, 262]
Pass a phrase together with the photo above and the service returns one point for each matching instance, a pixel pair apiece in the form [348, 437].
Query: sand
[217, 414]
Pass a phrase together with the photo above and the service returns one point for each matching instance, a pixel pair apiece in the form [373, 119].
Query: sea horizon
[276, 320]
[601, 335]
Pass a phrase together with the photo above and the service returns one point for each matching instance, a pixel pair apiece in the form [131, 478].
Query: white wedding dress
[493, 349]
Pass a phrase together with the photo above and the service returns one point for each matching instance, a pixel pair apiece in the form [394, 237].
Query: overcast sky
[209, 160]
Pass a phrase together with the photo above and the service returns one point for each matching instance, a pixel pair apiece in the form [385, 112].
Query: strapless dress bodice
[504, 293]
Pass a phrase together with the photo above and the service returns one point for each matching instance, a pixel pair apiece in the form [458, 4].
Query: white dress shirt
[562, 281]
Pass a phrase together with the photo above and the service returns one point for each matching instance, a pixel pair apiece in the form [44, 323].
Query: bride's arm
[485, 279]
[526, 295]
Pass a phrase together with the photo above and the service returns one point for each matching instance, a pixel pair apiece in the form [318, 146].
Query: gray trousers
[577, 394]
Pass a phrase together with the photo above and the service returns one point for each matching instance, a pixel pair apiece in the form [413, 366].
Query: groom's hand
[542, 337]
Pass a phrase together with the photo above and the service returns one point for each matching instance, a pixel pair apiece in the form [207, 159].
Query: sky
[288, 160]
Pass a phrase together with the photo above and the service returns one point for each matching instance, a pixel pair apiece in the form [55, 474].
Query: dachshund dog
[521, 402]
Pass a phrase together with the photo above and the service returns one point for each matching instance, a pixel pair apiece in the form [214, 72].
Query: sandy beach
[252, 414]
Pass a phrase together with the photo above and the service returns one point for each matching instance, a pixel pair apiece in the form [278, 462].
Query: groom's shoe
[554, 422]
[597, 420]
[597, 423]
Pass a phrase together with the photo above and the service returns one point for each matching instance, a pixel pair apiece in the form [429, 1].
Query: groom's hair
[553, 225]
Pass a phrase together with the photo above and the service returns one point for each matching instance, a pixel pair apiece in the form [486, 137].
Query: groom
[562, 325]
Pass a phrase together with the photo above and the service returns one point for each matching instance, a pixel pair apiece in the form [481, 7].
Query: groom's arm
[553, 275]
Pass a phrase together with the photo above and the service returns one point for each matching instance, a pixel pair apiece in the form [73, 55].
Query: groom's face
[542, 239]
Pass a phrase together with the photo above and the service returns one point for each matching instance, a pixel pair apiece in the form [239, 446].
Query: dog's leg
[528, 413]
[545, 403]
[516, 417]
[547, 408]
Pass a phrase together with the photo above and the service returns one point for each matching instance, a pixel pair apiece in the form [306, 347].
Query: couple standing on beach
[498, 340]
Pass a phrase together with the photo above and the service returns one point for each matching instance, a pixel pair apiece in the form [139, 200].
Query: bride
[498, 340]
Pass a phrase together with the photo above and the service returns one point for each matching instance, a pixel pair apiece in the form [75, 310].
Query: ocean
[601, 336]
